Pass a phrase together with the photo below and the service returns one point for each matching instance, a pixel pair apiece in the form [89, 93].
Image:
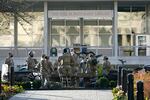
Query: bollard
[119, 75]
[130, 87]
[31, 83]
[0, 83]
[124, 80]
[140, 93]
[12, 76]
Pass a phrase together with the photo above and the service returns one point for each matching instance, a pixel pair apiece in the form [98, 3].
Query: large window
[91, 34]
[30, 31]
[98, 32]
[65, 32]
[67, 28]
[6, 30]
[131, 22]
[149, 18]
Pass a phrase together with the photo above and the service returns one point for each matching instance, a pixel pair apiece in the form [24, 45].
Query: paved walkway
[64, 95]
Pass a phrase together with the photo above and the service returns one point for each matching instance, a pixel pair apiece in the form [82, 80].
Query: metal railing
[123, 51]
[133, 51]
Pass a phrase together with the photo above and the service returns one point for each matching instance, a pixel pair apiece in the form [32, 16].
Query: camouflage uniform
[41, 67]
[106, 66]
[68, 62]
[48, 68]
[9, 61]
[75, 68]
[93, 63]
[55, 75]
[31, 63]
[43, 71]
[56, 64]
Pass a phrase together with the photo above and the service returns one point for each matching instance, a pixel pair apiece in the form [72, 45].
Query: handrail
[131, 50]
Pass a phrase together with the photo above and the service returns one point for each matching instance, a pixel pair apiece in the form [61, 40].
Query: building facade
[114, 28]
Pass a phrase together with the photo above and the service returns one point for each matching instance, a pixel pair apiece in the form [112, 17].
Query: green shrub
[100, 70]
[26, 85]
[8, 91]
[115, 90]
[118, 94]
[54, 85]
[112, 84]
[17, 89]
[103, 82]
[36, 84]
[5, 83]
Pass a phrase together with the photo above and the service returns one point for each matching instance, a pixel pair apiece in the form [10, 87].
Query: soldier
[55, 75]
[9, 61]
[41, 67]
[68, 62]
[56, 64]
[76, 59]
[31, 62]
[41, 63]
[93, 63]
[48, 68]
[75, 68]
[106, 66]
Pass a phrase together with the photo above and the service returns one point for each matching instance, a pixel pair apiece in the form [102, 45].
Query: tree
[11, 8]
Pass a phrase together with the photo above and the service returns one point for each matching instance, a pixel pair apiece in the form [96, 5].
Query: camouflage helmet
[30, 53]
[65, 50]
[10, 54]
[105, 58]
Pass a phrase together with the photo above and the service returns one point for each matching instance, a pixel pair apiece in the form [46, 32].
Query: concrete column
[46, 29]
[50, 31]
[0, 82]
[147, 20]
[115, 26]
[81, 31]
[15, 33]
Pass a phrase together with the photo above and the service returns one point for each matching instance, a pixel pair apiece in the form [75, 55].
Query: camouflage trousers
[66, 70]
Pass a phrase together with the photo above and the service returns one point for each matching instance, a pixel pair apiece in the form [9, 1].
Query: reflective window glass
[65, 32]
[91, 40]
[30, 31]
[6, 30]
[131, 21]
[105, 40]
[96, 32]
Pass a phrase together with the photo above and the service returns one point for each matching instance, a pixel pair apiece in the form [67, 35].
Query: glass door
[142, 43]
